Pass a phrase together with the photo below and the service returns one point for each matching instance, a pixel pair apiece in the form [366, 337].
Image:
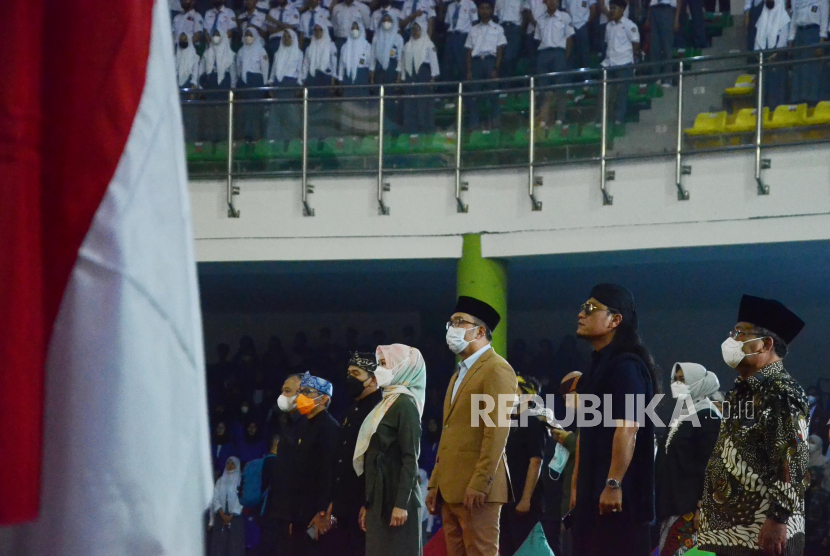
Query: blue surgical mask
[558, 462]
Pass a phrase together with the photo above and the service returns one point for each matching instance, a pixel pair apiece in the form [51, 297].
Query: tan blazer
[474, 456]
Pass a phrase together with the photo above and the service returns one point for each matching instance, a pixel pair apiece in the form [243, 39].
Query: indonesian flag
[103, 417]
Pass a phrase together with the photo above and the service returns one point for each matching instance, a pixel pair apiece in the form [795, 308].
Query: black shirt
[349, 489]
[524, 443]
[278, 472]
[313, 467]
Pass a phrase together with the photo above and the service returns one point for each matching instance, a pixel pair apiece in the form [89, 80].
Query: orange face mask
[305, 405]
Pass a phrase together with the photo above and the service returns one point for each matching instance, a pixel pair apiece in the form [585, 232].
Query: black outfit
[349, 489]
[523, 443]
[818, 425]
[681, 465]
[615, 373]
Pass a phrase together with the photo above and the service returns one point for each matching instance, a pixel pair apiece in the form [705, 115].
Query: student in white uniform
[320, 61]
[752, 11]
[485, 48]
[218, 63]
[281, 17]
[622, 39]
[665, 22]
[343, 15]
[313, 14]
[189, 22]
[252, 16]
[385, 9]
[413, 10]
[554, 32]
[772, 31]
[175, 7]
[252, 67]
[286, 75]
[532, 10]
[187, 63]
[387, 48]
[509, 15]
[220, 18]
[420, 65]
[582, 13]
[355, 62]
[808, 26]
[460, 17]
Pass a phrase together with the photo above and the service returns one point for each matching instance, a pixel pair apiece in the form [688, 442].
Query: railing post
[607, 198]
[382, 208]
[459, 185]
[532, 180]
[307, 188]
[760, 164]
[232, 190]
[680, 169]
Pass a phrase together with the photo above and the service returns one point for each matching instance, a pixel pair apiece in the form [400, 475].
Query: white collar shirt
[465, 366]
[222, 19]
[461, 15]
[554, 30]
[485, 39]
[312, 17]
[287, 14]
[579, 10]
[619, 38]
[809, 12]
[509, 11]
[343, 15]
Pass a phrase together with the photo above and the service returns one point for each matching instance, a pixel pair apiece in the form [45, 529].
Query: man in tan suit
[470, 481]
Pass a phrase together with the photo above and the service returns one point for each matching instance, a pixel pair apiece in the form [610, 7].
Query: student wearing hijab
[218, 68]
[187, 63]
[387, 450]
[252, 68]
[252, 446]
[772, 31]
[227, 535]
[286, 75]
[319, 62]
[355, 62]
[420, 65]
[682, 458]
[387, 48]
[222, 447]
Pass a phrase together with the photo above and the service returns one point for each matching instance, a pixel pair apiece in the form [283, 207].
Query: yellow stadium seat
[820, 115]
[788, 115]
[745, 120]
[744, 85]
[708, 123]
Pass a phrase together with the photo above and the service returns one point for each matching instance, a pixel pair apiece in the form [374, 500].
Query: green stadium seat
[220, 152]
[340, 146]
[708, 123]
[368, 146]
[560, 135]
[266, 149]
[295, 149]
[439, 143]
[199, 151]
[484, 140]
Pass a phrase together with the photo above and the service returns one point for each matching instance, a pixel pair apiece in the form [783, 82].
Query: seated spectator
[665, 23]
[582, 12]
[509, 15]
[460, 17]
[554, 32]
[252, 446]
[485, 48]
[187, 63]
[420, 65]
[220, 18]
[218, 64]
[227, 535]
[343, 15]
[385, 10]
[772, 31]
[281, 18]
[222, 447]
[355, 60]
[252, 17]
[314, 12]
[387, 49]
[623, 43]
[319, 63]
[189, 22]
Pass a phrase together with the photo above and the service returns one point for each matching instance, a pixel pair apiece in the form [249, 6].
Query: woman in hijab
[218, 67]
[817, 458]
[682, 458]
[772, 30]
[252, 68]
[420, 65]
[387, 48]
[387, 449]
[355, 59]
[286, 75]
[227, 536]
[253, 445]
[222, 447]
[320, 62]
[187, 63]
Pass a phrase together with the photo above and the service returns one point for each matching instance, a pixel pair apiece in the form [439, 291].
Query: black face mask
[354, 387]
[770, 5]
[183, 44]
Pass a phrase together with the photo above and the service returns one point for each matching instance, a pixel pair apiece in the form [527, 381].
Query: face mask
[306, 405]
[249, 40]
[387, 25]
[812, 400]
[244, 409]
[455, 339]
[559, 461]
[354, 386]
[679, 390]
[732, 352]
[183, 44]
[286, 403]
[355, 33]
[384, 376]
[217, 39]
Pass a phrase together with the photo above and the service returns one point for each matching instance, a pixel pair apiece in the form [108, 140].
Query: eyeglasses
[589, 308]
[734, 333]
[456, 323]
[308, 392]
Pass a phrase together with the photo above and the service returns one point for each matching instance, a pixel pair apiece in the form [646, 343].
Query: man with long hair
[612, 493]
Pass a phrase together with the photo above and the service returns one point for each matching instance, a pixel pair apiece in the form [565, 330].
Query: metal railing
[753, 62]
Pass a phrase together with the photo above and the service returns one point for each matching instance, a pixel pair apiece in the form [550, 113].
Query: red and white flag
[103, 416]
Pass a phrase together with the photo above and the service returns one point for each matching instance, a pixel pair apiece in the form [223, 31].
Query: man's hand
[610, 501]
[321, 525]
[432, 501]
[523, 507]
[361, 519]
[473, 498]
[773, 537]
[398, 517]
[573, 496]
[331, 520]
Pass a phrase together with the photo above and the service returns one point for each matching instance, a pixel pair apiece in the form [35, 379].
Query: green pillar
[485, 279]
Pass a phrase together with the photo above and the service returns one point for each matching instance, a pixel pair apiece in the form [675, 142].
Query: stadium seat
[788, 115]
[368, 146]
[820, 115]
[708, 123]
[295, 149]
[220, 152]
[267, 148]
[439, 143]
[745, 120]
[560, 135]
[590, 133]
[199, 151]
[744, 85]
[484, 140]
[340, 146]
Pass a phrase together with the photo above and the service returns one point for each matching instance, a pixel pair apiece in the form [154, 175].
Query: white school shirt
[672, 3]
[603, 19]
[321, 16]
[537, 9]
[809, 12]
[255, 20]
[426, 6]
[579, 10]
[553, 30]
[465, 366]
[485, 39]
[223, 18]
[620, 36]
[188, 23]
[380, 13]
[395, 52]
[467, 16]
[509, 11]
[288, 15]
[343, 15]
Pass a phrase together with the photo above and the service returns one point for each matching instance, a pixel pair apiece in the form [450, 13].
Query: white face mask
[733, 353]
[387, 25]
[355, 33]
[455, 339]
[249, 40]
[679, 390]
[558, 461]
[384, 376]
[286, 403]
[217, 39]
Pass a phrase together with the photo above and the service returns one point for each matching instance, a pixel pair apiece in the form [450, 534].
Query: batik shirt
[758, 469]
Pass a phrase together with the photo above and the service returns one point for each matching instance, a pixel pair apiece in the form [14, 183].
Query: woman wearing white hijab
[387, 49]
[286, 75]
[252, 70]
[772, 31]
[355, 62]
[187, 63]
[319, 62]
[681, 460]
[218, 64]
[227, 536]
[420, 65]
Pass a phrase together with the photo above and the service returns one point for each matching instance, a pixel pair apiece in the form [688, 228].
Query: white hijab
[286, 59]
[219, 57]
[226, 491]
[319, 53]
[415, 52]
[770, 25]
[186, 60]
[701, 384]
[250, 57]
[384, 42]
[354, 50]
[815, 452]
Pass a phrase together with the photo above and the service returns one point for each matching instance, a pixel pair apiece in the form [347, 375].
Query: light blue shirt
[465, 366]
